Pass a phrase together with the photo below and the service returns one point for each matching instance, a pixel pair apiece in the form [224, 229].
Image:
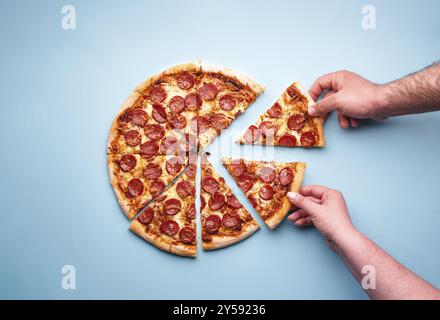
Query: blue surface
[60, 91]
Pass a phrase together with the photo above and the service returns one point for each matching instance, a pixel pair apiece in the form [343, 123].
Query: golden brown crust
[180, 249]
[221, 242]
[244, 79]
[128, 211]
[279, 216]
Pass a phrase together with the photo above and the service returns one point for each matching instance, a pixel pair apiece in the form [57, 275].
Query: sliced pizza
[169, 221]
[137, 180]
[266, 184]
[287, 122]
[224, 219]
[156, 118]
[223, 96]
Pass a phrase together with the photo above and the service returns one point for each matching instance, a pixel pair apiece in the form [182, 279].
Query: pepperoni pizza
[265, 184]
[166, 116]
[169, 221]
[224, 219]
[287, 123]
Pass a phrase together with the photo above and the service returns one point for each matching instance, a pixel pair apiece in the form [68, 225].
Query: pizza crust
[318, 121]
[180, 249]
[217, 242]
[128, 211]
[244, 79]
[276, 219]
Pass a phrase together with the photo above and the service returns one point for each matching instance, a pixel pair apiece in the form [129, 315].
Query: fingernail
[312, 110]
[291, 195]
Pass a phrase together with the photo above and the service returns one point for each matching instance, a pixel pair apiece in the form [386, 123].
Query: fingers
[302, 202]
[325, 82]
[343, 120]
[304, 222]
[354, 122]
[313, 191]
[324, 106]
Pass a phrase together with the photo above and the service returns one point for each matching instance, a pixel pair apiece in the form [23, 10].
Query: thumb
[324, 106]
[304, 203]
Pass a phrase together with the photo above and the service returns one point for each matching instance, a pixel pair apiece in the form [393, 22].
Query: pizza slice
[287, 122]
[224, 219]
[168, 222]
[136, 180]
[266, 184]
[223, 95]
[156, 118]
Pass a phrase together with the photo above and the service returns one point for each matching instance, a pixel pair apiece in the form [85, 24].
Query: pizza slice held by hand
[287, 122]
[224, 219]
[169, 221]
[266, 184]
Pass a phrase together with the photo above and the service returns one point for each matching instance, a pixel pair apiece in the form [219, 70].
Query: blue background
[60, 91]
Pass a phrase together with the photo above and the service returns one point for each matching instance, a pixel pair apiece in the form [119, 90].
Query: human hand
[353, 96]
[324, 208]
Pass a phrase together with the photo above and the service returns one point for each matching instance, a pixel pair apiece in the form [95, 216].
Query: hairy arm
[416, 93]
[354, 97]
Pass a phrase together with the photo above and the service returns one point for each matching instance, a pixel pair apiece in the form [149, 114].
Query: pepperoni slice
[210, 185]
[172, 207]
[219, 121]
[193, 101]
[266, 192]
[246, 182]
[177, 121]
[237, 169]
[267, 174]
[275, 111]
[135, 187]
[156, 187]
[139, 117]
[159, 114]
[202, 202]
[208, 91]
[200, 124]
[308, 139]
[174, 165]
[185, 188]
[287, 140]
[168, 145]
[147, 216]
[152, 171]
[213, 223]
[187, 235]
[149, 149]
[169, 227]
[268, 129]
[191, 170]
[176, 104]
[132, 138]
[157, 94]
[191, 213]
[154, 131]
[185, 80]
[233, 202]
[230, 221]
[127, 162]
[252, 134]
[217, 201]
[286, 176]
[296, 122]
[228, 102]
